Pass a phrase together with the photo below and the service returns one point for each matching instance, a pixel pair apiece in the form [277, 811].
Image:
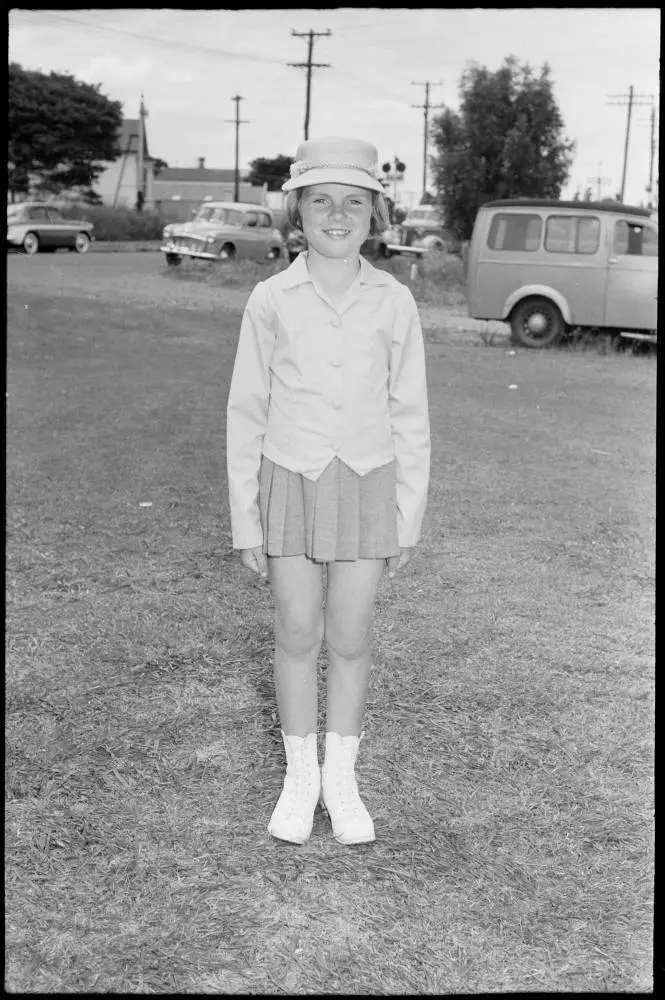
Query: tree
[61, 132]
[272, 172]
[159, 165]
[505, 142]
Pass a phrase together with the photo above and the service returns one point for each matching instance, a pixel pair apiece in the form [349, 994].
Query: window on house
[510, 231]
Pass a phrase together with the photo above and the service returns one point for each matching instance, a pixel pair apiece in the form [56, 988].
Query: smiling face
[335, 218]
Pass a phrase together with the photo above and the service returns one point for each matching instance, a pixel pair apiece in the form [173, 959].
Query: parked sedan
[224, 229]
[34, 226]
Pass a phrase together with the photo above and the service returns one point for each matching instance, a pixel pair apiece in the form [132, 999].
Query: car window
[54, 215]
[13, 213]
[218, 215]
[204, 214]
[513, 231]
[38, 214]
[572, 234]
[251, 219]
[232, 217]
[264, 220]
[635, 239]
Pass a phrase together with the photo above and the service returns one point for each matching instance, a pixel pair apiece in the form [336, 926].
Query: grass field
[508, 758]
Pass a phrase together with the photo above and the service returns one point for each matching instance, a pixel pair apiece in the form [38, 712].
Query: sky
[189, 64]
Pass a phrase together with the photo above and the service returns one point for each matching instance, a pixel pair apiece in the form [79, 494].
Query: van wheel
[173, 259]
[536, 322]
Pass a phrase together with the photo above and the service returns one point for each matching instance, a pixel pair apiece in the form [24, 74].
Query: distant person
[328, 453]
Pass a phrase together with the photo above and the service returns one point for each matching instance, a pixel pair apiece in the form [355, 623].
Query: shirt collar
[297, 274]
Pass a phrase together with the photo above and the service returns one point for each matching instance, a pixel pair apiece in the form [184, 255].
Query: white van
[548, 266]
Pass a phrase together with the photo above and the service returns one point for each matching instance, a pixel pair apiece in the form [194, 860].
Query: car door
[39, 224]
[631, 301]
[264, 233]
[249, 235]
[61, 231]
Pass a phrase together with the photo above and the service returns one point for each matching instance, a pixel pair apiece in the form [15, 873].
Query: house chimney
[202, 162]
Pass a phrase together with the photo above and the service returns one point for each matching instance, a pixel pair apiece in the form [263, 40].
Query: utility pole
[599, 181]
[652, 152]
[426, 106]
[238, 123]
[630, 99]
[140, 169]
[309, 65]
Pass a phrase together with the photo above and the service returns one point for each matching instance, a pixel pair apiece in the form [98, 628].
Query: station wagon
[548, 266]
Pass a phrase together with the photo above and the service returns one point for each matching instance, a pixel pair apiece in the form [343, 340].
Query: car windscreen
[204, 214]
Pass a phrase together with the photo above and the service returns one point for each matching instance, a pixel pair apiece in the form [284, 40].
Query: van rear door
[631, 302]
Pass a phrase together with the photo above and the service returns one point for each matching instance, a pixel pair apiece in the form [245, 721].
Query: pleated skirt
[340, 516]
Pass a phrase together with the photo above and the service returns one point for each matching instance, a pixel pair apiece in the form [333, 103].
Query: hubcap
[536, 323]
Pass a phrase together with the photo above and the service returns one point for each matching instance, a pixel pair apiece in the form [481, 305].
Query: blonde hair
[379, 218]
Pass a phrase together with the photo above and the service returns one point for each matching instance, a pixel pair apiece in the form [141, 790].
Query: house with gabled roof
[176, 190]
[121, 181]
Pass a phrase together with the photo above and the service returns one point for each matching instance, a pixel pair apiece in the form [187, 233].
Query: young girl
[328, 462]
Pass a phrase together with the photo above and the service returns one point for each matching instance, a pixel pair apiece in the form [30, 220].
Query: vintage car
[547, 267]
[221, 230]
[35, 226]
[421, 231]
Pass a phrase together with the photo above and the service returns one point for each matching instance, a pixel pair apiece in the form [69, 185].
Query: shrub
[117, 224]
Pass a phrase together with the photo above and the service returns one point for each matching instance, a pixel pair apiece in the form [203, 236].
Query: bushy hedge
[118, 224]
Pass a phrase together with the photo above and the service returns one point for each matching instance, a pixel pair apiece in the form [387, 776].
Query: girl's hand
[255, 560]
[397, 562]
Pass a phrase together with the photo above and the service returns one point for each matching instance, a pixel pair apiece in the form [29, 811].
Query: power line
[238, 123]
[156, 40]
[630, 99]
[426, 106]
[309, 65]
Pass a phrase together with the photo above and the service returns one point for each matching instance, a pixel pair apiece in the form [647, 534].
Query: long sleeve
[409, 417]
[247, 418]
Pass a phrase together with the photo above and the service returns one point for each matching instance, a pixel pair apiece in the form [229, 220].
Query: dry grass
[508, 754]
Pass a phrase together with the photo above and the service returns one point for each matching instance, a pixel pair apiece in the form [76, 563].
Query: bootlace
[345, 792]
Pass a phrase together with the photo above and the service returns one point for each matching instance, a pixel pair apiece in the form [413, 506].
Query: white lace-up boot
[293, 815]
[351, 822]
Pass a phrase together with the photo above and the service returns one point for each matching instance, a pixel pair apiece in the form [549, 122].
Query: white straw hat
[335, 160]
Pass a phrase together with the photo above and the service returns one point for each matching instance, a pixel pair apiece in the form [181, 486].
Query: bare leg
[352, 590]
[298, 594]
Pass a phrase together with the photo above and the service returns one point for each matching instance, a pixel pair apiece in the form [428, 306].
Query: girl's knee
[297, 633]
[348, 643]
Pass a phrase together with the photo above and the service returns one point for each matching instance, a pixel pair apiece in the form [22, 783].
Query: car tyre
[82, 242]
[173, 259]
[536, 322]
[274, 253]
[31, 243]
[227, 252]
